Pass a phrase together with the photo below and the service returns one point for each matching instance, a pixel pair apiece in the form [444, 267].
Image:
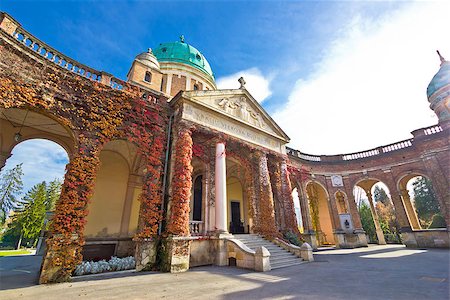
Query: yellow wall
[106, 207]
[324, 215]
[234, 193]
[134, 217]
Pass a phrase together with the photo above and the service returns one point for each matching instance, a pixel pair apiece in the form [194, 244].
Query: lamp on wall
[18, 136]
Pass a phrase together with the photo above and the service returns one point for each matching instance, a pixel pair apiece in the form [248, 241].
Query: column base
[51, 270]
[145, 255]
[310, 238]
[350, 240]
[175, 254]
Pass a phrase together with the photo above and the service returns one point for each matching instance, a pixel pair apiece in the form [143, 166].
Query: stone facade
[222, 136]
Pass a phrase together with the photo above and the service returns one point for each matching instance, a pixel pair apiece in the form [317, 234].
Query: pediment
[239, 105]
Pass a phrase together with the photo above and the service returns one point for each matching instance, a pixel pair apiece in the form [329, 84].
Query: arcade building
[168, 168]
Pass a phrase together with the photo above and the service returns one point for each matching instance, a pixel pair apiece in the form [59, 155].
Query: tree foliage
[10, 187]
[380, 195]
[367, 221]
[29, 216]
[425, 200]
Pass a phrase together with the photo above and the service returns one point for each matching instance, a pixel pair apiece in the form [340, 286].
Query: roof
[181, 52]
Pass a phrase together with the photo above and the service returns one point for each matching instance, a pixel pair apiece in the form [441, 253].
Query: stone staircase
[279, 258]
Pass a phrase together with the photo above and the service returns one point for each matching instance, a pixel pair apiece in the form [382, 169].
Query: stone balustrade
[418, 134]
[13, 28]
[432, 130]
[196, 228]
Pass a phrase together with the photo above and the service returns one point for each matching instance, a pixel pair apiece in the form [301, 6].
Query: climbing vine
[94, 114]
[178, 223]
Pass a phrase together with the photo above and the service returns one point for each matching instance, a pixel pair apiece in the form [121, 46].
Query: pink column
[221, 189]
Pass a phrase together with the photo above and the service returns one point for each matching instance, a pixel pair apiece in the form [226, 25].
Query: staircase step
[279, 257]
[285, 265]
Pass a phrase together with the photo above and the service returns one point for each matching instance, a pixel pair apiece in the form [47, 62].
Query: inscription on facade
[217, 122]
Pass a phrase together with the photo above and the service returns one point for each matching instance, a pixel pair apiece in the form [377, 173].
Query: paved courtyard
[377, 272]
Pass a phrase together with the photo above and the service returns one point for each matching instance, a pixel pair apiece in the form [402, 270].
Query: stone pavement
[377, 272]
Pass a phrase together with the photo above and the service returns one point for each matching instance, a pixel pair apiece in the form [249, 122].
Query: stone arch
[321, 213]
[402, 185]
[118, 186]
[18, 125]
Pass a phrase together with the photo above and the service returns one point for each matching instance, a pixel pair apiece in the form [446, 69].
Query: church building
[170, 169]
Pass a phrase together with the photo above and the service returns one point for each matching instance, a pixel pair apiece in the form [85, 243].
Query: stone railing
[362, 154]
[301, 155]
[246, 258]
[432, 130]
[13, 28]
[305, 252]
[397, 146]
[196, 228]
[418, 135]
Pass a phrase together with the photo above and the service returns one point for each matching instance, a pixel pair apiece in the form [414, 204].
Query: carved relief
[240, 109]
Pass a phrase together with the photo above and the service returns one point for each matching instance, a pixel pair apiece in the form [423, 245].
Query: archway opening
[297, 209]
[320, 213]
[420, 201]
[377, 212]
[237, 202]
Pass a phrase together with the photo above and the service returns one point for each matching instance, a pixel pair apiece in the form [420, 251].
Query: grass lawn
[14, 252]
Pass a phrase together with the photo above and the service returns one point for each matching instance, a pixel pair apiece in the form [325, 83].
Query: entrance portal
[236, 226]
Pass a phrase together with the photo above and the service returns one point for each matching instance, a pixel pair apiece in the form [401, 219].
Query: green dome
[181, 52]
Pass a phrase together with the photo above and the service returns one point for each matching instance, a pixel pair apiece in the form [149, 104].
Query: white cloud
[256, 83]
[42, 160]
[370, 87]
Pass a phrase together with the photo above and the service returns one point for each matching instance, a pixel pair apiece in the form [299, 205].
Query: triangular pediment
[239, 105]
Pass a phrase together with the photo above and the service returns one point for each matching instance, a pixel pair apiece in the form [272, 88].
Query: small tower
[145, 71]
[438, 93]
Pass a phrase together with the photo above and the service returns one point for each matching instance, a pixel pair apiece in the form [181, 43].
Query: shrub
[438, 222]
[292, 238]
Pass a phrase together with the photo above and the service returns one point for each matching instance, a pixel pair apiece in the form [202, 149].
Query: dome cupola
[181, 52]
[148, 59]
[438, 91]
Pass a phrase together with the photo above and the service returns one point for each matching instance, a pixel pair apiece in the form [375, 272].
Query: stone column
[177, 244]
[413, 220]
[400, 212]
[308, 228]
[286, 192]
[353, 208]
[408, 236]
[380, 235]
[438, 173]
[221, 189]
[266, 215]
[66, 231]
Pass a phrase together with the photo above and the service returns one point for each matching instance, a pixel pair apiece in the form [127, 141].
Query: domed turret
[438, 91]
[145, 71]
[148, 59]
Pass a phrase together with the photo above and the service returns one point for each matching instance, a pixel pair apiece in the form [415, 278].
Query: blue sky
[337, 76]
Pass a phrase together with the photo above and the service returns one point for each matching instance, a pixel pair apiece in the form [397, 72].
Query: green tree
[367, 221]
[425, 200]
[30, 217]
[380, 195]
[10, 187]
[53, 194]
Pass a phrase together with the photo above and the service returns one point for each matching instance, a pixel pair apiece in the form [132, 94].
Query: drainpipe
[166, 168]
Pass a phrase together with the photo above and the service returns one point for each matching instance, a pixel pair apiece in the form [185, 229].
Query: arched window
[198, 196]
[196, 87]
[148, 77]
